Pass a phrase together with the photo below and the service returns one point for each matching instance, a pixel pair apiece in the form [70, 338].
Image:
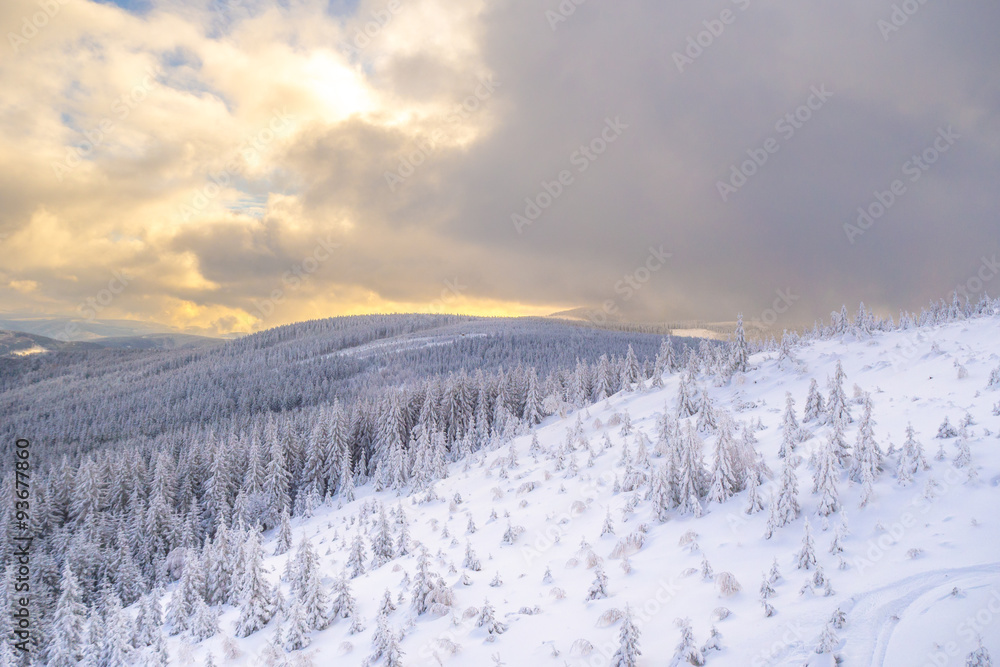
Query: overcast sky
[232, 166]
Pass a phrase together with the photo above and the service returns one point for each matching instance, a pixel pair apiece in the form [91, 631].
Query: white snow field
[918, 581]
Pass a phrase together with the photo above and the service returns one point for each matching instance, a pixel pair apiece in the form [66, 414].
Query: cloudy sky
[234, 165]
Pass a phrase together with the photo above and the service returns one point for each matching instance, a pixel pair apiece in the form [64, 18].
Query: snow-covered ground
[921, 564]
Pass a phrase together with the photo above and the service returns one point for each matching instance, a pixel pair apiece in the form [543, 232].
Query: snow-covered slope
[917, 582]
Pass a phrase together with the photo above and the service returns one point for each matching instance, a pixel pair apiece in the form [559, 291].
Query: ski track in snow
[880, 611]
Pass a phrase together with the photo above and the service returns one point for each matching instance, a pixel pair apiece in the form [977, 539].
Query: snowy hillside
[614, 502]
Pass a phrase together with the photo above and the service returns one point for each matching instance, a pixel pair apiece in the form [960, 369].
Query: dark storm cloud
[658, 182]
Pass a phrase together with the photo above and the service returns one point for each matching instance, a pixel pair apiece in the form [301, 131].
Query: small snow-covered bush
[558, 593]
[581, 647]
[720, 613]
[610, 617]
[728, 585]
[629, 544]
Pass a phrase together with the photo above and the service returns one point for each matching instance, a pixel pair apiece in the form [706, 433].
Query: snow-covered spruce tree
[599, 587]
[836, 404]
[946, 430]
[471, 561]
[204, 621]
[739, 357]
[706, 421]
[487, 620]
[754, 502]
[343, 601]
[609, 527]
[382, 547]
[386, 606]
[867, 459]
[806, 558]
[628, 651]
[191, 589]
[766, 593]
[828, 641]
[533, 411]
[687, 652]
[788, 494]
[284, 541]
[980, 657]
[814, 410]
[277, 482]
[911, 458]
[725, 466]
[631, 375]
[66, 638]
[307, 587]
[356, 557]
[825, 479]
[686, 406]
[297, 635]
[256, 595]
[692, 475]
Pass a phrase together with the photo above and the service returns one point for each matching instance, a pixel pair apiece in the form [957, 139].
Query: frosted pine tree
[788, 494]
[836, 404]
[687, 652]
[806, 558]
[754, 502]
[343, 601]
[356, 557]
[867, 462]
[825, 480]
[980, 657]
[284, 541]
[725, 480]
[814, 403]
[599, 587]
[631, 375]
[471, 561]
[191, 589]
[382, 547]
[766, 593]
[740, 354]
[686, 405]
[307, 587]
[706, 421]
[205, 622]
[66, 634]
[628, 651]
[533, 413]
[297, 635]
[256, 595]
